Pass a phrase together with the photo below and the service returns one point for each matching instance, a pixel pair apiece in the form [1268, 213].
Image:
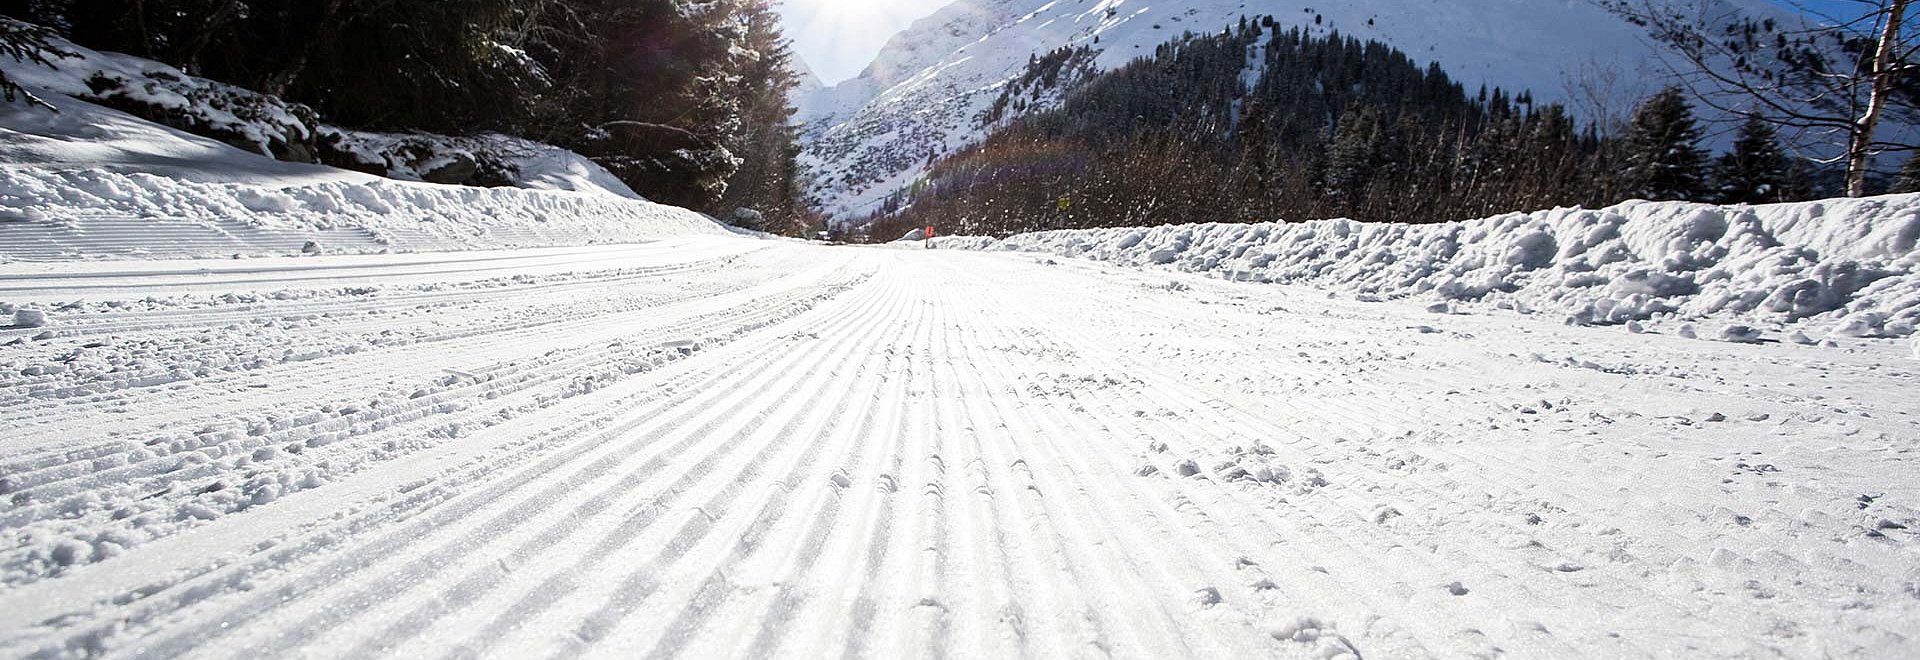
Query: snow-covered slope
[89, 181]
[257, 124]
[925, 92]
[1793, 272]
[810, 81]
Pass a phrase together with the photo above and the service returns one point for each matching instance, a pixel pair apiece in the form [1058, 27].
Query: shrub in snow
[254, 122]
[689, 170]
[487, 160]
[746, 218]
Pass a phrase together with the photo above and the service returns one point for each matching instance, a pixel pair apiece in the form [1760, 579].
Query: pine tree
[1664, 160]
[1908, 180]
[1756, 171]
[768, 142]
[25, 44]
[1352, 157]
[1332, 126]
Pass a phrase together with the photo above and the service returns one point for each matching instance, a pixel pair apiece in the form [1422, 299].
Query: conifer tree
[1908, 180]
[768, 142]
[27, 44]
[1756, 171]
[1352, 157]
[660, 92]
[1664, 160]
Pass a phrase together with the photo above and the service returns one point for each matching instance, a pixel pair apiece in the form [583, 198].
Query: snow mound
[1847, 264]
[55, 214]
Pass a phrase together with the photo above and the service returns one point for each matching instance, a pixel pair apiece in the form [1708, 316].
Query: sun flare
[839, 37]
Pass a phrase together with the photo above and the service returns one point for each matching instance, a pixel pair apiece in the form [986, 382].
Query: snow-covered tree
[1908, 180]
[1664, 159]
[1756, 171]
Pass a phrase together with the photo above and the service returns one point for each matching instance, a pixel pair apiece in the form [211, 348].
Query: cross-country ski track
[718, 447]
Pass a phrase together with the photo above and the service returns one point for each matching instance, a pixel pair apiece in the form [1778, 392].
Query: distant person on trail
[929, 237]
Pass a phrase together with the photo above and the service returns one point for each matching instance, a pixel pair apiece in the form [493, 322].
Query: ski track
[732, 448]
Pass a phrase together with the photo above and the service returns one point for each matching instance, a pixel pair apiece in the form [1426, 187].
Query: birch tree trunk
[1885, 67]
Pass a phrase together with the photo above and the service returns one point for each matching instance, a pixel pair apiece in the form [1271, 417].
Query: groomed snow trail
[715, 447]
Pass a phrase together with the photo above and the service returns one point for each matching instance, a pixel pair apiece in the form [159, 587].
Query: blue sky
[1846, 8]
[839, 37]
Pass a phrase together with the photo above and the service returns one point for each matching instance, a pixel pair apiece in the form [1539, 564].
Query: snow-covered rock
[928, 88]
[1846, 266]
[29, 318]
[489, 159]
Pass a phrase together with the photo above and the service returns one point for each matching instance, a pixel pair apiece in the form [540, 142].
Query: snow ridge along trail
[716, 447]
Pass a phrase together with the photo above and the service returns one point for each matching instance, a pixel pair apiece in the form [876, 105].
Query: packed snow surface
[1847, 267]
[722, 447]
[638, 434]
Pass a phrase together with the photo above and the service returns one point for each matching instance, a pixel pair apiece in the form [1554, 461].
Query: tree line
[1832, 84]
[1331, 126]
[686, 102]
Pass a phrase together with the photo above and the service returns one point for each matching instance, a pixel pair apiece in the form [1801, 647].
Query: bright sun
[839, 37]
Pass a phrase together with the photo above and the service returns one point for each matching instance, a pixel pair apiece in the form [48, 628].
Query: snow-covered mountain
[810, 81]
[924, 94]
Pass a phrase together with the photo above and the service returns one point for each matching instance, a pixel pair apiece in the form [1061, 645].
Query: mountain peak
[925, 93]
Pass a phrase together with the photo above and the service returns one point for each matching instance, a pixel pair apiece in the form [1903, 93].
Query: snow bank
[1848, 264]
[60, 214]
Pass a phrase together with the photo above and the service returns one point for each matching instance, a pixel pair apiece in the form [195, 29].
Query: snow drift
[1846, 266]
[47, 215]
